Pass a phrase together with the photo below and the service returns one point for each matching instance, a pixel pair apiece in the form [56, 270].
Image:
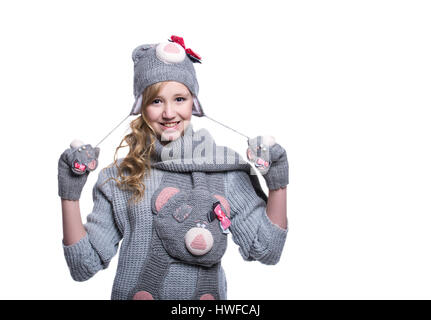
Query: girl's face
[170, 112]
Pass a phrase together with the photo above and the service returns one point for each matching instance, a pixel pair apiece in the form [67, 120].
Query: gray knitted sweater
[113, 222]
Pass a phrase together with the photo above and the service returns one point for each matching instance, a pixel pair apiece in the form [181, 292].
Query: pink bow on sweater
[224, 220]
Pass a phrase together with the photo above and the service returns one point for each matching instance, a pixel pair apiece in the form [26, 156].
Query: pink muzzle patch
[79, 166]
[171, 48]
[199, 242]
[260, 162]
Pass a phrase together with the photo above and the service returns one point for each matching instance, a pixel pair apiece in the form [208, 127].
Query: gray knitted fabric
[150, 68]
[276, 175]
[74, 166]
[113, 220]
[186, 210]
[171, 224]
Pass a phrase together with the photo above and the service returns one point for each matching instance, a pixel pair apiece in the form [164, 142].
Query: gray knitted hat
[165, 61]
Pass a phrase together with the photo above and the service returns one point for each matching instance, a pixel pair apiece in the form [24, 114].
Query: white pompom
[76, 144]
[268, 140]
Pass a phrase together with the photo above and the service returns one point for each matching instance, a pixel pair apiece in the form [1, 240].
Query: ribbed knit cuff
[74, 252]
[76, 256]
[274, 236]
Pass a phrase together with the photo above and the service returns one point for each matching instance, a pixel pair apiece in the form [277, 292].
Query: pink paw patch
[207, 296]
[143, 295]
[92, 165]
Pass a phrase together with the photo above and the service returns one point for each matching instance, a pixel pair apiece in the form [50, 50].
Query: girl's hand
[270, 159]
[74, 166]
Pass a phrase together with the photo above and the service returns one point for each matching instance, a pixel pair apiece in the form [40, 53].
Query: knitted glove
[270, 159]
[74, 166]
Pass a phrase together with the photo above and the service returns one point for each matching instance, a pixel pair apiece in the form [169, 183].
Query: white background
[344, 86]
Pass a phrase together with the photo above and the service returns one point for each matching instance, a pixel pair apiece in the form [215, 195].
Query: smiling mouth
[171, 124]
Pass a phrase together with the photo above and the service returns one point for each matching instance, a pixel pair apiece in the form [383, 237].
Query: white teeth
[170, 124]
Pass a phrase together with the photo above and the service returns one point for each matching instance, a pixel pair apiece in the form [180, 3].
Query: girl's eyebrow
[175, 95]
[181, 94]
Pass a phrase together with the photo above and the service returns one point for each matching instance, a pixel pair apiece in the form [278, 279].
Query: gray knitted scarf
[191, 214]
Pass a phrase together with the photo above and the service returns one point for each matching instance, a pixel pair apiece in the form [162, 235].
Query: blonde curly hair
[137, 163]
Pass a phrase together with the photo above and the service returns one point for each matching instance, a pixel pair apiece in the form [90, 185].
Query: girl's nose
[169, 111]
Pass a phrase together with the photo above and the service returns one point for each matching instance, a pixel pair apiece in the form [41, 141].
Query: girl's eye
[156, 101]
[179, 99]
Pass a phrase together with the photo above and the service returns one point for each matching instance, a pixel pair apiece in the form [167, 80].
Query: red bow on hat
[193, 55]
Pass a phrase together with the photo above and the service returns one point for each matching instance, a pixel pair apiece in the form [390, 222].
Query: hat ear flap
[140, 51]
[197, 108]
[137, 106]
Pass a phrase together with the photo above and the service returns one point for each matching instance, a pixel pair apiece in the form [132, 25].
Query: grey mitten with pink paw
[74, 166]
[270, 159]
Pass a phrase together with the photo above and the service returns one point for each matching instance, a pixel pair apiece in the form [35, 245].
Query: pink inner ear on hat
[171, 48]
[164, 197]
[224, 203]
